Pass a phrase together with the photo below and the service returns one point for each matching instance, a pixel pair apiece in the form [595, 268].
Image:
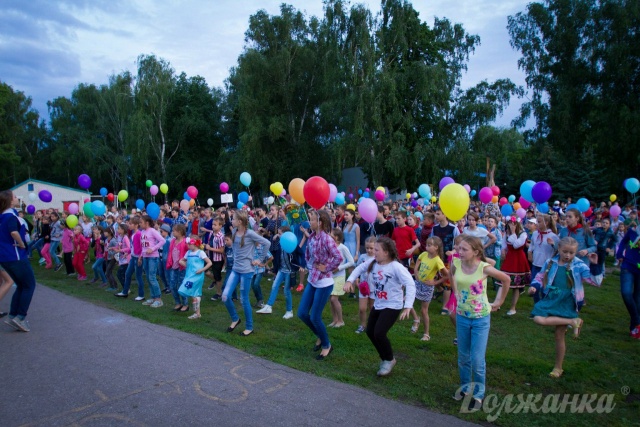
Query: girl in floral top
[469, 282]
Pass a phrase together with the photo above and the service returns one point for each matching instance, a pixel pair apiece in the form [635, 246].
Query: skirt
[424, 292]
[338, 285]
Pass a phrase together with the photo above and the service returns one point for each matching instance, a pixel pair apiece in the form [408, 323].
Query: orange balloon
[516, 206]
[494, 199]
[296, 187]
[192, 202]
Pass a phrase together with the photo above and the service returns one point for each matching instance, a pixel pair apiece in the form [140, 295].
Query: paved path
[84, 365]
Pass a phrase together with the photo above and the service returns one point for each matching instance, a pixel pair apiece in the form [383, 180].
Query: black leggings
[380, 321]
[68, 262]
[112, 280]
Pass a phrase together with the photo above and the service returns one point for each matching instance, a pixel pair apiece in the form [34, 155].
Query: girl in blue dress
[196, 263]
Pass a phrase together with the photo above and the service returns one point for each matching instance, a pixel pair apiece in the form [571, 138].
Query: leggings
[380, 321]
[112, 280]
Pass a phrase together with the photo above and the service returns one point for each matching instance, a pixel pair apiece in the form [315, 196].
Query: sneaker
[111, 289]
[455, 341]
[148, 302]
[635, 333]
[360, 329]
[385, 367]
[224, 270]
[194, 316]
[167, 291]
[42, 261]
[139, 299]
[11, 323]
[352, 295]
[258, 304]
[216, 297]
[58, 267]
[288, 315]
[157, 304]
[511, 312]
[83, 279]
[121, 295]
[71, 274]
[21, 325]
[211, 286]
[265, 310]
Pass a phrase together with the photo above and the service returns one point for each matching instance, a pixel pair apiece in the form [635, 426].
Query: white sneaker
[265, 310]
[157, 304]
[148, 302]
[139, 299]
[385, 367]
[288, 315]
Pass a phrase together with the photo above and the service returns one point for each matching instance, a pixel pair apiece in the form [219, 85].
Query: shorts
[338, 285]
[424, 292]
[216, 270]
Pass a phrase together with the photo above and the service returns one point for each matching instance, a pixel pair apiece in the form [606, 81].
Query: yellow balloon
[276, 188]
[434, 198]
[613, 197]
[164, 188]
[72, 221]
[380, 189]
[408, 195]
[351, 206]
[122, 195]
[454, 201]
[296, 187]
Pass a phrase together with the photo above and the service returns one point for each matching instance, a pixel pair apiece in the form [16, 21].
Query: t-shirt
[404, 238]
[383, 230]
[388, 280]
[446, 234]
[481, 233]
[429, 267]
[472, 288]
[198, 253]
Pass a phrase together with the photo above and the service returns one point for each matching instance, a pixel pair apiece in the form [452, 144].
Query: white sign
[226, 198]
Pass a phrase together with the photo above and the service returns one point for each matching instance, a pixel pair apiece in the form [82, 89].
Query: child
[404, 237]
[67, 249]
[542, 247]
[177, 250]
[165, 232]
[427, 228]
[98, 266]
[605, 243]
[112, 246]
[388, 277]
[577, 229]
[429, 264]
[81, 245]
[134, 265]
[260, 260]
[45, 233]
[196, 263]
[151, 241]
[494, 251]
[216, 250]
[561, 280]
[124, 255]
[56, 236]
[620, 232]
[228, 260]
[446, 232]
[338, 279]
[469, 282]
[366, 298]
[515, 263]
[284, 275]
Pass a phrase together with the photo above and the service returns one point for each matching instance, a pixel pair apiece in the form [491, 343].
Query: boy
[216, 246]
[382, 227]
[228, 256]
[605, 243]
[405, 238]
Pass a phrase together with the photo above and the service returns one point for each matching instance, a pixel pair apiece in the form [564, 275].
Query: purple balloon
[45, 196]
[446, 181]
[31, 209]
[414, 203]
[84, 181]
[615, 210]
[485, 195]
[541, 192]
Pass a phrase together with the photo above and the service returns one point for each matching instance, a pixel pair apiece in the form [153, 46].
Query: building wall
[60, 195]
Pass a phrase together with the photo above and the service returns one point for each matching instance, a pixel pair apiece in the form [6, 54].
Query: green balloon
[149, 183]
[87, 210]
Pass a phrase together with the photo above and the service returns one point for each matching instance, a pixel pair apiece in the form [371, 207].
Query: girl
[244, 240]
[112, 246]
[469, 282]
[515, 262]
[628, 256]
[577, 229]
[338, 278]
[151, 242]
[542, 247]
[351, 232]
[365, 302]
[561, 280]
[56, 235]
[124, 255]
[322, 257]
[620, 233]
[389, 277]
[472, 229]
[429, 264]
[46, 239]
[81, 245]
[283, 276]
[196, 263]
[177, 250]
[98, 266]
[259, 263]
[67, 249]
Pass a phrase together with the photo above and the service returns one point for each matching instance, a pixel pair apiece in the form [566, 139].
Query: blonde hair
[565, 241]
[476, 245]
[437, 242]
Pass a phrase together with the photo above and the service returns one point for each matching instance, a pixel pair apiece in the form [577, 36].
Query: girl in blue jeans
[469, 283]
[628, 257]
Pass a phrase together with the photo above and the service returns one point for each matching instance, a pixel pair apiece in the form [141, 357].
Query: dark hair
[388, 246]
[110, 231]
[6, 198]
[148, 220]
[218, 220]
[135, 220]
[124, 227]
[473, 215]
[339, 235]
[181, 229]
[577, 214]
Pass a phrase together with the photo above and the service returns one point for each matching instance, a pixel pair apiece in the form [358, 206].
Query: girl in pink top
[151, 240]
[81, 245]
[67, 248]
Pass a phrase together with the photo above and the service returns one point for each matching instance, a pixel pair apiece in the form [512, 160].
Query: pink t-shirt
[67, 240]
[151, 239]
[137, 245]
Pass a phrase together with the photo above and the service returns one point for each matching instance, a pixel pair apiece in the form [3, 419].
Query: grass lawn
[520, 354]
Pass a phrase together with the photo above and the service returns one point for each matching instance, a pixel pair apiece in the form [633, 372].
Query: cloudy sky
[47, 47]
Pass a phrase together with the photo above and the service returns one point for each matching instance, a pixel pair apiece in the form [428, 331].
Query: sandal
[177, 307]
[425, 337]
[184, 308]
[577, 327]
[415, 326]
[556, 373]
[194, 316]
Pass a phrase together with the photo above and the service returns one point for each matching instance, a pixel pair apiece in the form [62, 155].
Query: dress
[559, 300]
[349, 233]
[516, 264]
[192, 284]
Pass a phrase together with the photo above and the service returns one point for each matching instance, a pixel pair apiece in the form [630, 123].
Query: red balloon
[110, 197]
[316, 191]
[503, 201]
[496, 190]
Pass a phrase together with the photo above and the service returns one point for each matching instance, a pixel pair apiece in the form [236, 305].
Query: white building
[62, 196]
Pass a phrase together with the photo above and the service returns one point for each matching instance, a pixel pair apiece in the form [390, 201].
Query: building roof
[79, 190]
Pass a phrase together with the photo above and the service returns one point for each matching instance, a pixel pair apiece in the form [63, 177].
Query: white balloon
[210, 202]
[270, 200]
[32, 197]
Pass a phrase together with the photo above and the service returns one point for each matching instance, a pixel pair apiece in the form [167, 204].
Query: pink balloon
[192, 192]
[184, 205]
[284, 193]
[224, 187]
[466, 187]
[521, 213]
[379, 195]
[368, 210]
[333, 192]
[524, 202]
[153, 190]
[503, 201]
[485, 195]
[615, 210]
[73, 208]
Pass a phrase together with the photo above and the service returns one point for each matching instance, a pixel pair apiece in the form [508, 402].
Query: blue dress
[350, 238]
[192, 284]
[559, 301]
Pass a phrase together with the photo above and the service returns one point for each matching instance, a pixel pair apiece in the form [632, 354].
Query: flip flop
[556, 373]
[577, 327]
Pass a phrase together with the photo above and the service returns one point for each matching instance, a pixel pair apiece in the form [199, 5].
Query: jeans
[122, 271]
[163, 273]
[224, 285]
[98, 270]
[286, 278]
[245, 283]
[379, 323]
[53, 250]
[473, 335]
[35, 244]
[534, 271]
[22, 274]
[176, 276]
[150, 266]
[310, 311]
[599, 267]
[133, 265]
[255, 286]
[630, 290]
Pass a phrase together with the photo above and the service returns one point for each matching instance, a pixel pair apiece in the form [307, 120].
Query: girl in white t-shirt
[486, 237]
[365, 302]
[388, 277]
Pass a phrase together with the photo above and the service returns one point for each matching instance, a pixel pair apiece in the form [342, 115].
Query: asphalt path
[85, 365]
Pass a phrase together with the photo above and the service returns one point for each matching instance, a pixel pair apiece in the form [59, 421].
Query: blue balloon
[366, 194]
[306, 224]
[245, 179]
[583, 204]
[506, 210]
[360, 200]
[525, 190]
[360, 191]
[140, 204]
[424, 191]
[104, 192]
[572, 206]
[240, 205]
[418, 214]
[243, 197]
[632, 185]
[153, 210]
[186, 196]
[543, 208]
[288, 242]
[98, 207]
[473, 193]
[339, 199]
[512, 198]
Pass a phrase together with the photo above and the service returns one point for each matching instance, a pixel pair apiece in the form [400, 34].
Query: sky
[48, 47]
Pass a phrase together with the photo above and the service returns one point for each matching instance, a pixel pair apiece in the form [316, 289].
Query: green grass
[519, 357]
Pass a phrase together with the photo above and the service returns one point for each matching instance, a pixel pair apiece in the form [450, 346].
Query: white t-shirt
[388, 281]
[199, 253]
[347, 261]
[481, 233]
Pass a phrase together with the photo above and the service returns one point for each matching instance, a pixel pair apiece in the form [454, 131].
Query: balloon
[414, 203]
[296, 189]
[421, 202]
[632, 185]
[283, 193]
[495, 190]
[524, 202]
[521, 213]
[72, 221]
[517, 205]
[433, 199]
[84, 181]
[243, 197]
[192, 202]
[192, 191]
[316, 192]
[612, 197]
[164, 188]
[615, 210]
[32, 197]
[379, 195]
[414, 195]
[333, 192]
[98, 208]
[485, 195]
[153, 190]
[381, 188]
[270, 200]
[454, 201]
[31, 209]
[140, 204]
[288, 242]
[419, 215]
[444, 182]
[103, 192]
[541, 192]
[583, 204]
[45, 196]
[512, 198]
[87, 209]
[186, 196]
[340, 199]
[588, 213]
[503, 201]
[240, 205]
[210, 202]
[360, 191]
[73, 208]
[351, 206]
[110, 197]
[360, 200]
[424, 190]
[224, 187]
[506, 210]
[525, 190]
[153, 210]
[351, 196]
[368, 210]
[366, 189]
[473, 193]
[245, 179]
[543, 208]
[123, 195]
[494, 199]
[408, 196]
[149, 183]
[366, 194]
[184, 205]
